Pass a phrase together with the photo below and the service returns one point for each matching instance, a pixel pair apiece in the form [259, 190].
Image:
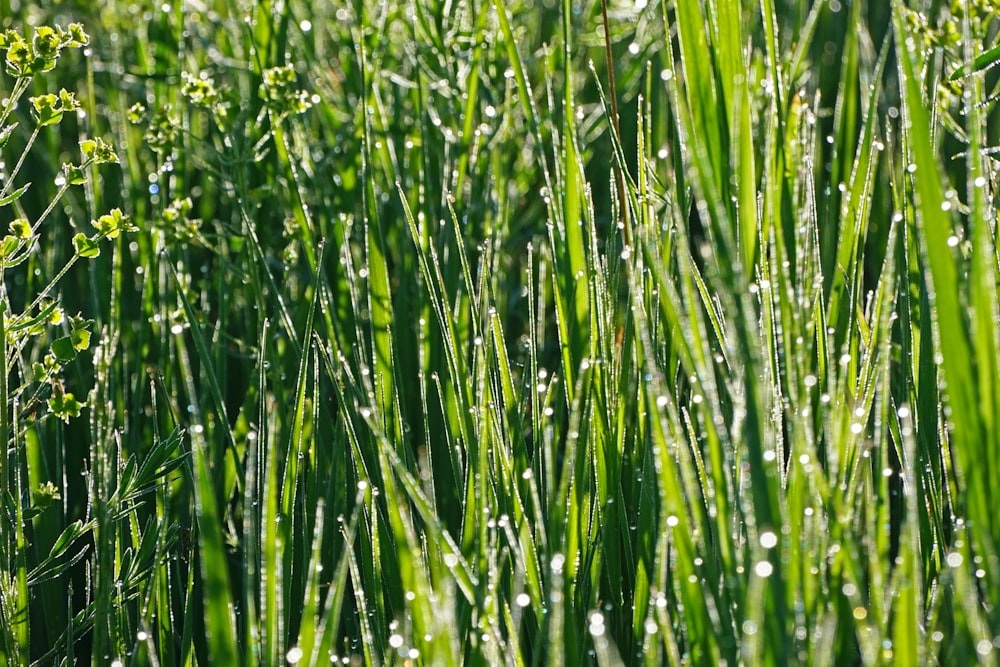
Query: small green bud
[199, 90]
[77, 36]
[46, 109]
[300, 102]
[68, 101]
[177, 210]
[45, 495]
[278, 90]
[162, 130]
[137, 113]
[110, 225]
[57, 316]
[64, 405]
[46, 43]
[18, 55]
[21, 228]
[74, 174]
[279, 77]
[104, 152]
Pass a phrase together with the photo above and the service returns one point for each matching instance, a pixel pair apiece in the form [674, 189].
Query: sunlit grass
[415, 359]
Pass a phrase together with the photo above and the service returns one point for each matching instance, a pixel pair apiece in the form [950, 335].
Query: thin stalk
[20, 86]
[52, 283]
[55, 200]
[613, 94]
[20, 162]
[11, 633]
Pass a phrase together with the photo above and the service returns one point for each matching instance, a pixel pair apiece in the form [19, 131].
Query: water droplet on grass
[763, 569]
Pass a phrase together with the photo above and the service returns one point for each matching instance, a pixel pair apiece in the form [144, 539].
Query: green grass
[420, 356]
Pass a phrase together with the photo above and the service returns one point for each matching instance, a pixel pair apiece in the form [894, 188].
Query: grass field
[412, 333]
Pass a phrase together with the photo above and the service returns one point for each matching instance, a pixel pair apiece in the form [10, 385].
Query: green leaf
[8, 246]
[45, 109]
[5, 133]
[85, 246]
[77, 36]
[13, 196]
[983, 62]
[74, 174]
[64, 349]
[110, 225]
[66, 539]
[81, 339]
[53, 313]
[64, 406]
[50, 312]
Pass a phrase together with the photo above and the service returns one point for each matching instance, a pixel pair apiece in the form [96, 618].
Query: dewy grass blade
[368, 647]
[979, 63]
[935, 229]
[299, 428]
[310, 621]
[984, 276]
[331, 615]
[569, 232]
[726, 18]
[205, 357]
[855, 214]
[273, 535]
[379, 292]
[219, 621]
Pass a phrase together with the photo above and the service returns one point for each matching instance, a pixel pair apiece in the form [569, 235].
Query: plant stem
[613, 94]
